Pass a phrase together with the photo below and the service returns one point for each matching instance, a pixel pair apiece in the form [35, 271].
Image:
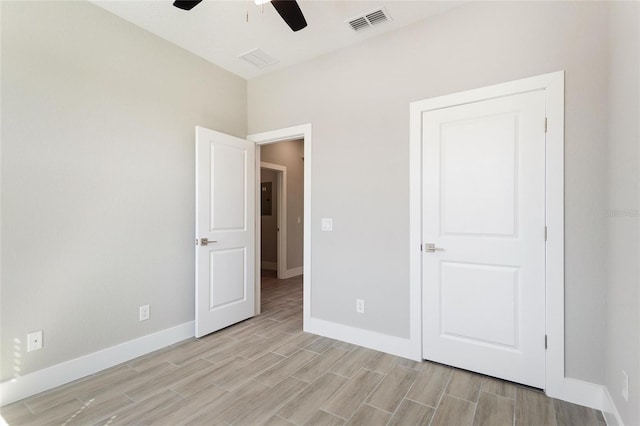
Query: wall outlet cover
[625, 385]
[144, 312]
[34, 341]
[327, 224]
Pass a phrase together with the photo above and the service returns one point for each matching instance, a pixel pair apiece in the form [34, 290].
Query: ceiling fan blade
[291, 13]
[186, 4]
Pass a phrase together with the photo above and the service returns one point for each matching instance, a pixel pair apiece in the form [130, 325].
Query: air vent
[258, 58]
[369, 19]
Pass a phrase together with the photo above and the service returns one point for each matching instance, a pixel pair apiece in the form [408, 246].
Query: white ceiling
[218, 31]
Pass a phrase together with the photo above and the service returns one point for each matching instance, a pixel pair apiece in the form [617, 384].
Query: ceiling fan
[288, 10]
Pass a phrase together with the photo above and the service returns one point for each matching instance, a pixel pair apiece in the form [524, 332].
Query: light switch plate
[327, 224]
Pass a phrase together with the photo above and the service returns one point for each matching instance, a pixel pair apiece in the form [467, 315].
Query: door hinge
[545, 341]
[421, 247]
[545, 124]
[545, 233]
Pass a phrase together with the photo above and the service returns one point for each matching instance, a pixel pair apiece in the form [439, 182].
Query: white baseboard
[294, 272]
[270, 266]
[68, 371]
[609, 409]
[579, 392]
[369, 339]
[590, 395]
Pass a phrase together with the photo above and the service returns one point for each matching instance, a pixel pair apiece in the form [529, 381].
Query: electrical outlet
[34, 341]
[327, 224]
[625, 386]
[144, 312]
[360, 306]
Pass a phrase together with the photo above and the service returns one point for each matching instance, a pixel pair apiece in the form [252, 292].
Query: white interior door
[484, 212]
[225, 231]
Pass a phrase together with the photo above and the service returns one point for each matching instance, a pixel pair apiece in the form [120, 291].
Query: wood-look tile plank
[430, 385]
[344, 345]
[320, 345]
[412, 413]
[178, 412]
[92, 413]
[534, 408]
[453, 411]
[277, 421]
[99, 382]
[347, 400]
[381, 362]
[201, 379]
[295, 344]
[187, 352]
[55, 415]
[268, 403]
[322, 418]
[228, 407]
[165, 381]
[280, 371]
[369, 416]
[568, 414]
[267, 346]
[393, 388]
[231, 351]
[498, 387]
[16, 410]
[106, 392]
[494, 410]
[229, 377]
[154, 358]
[302, 406]
[320, 365]
[409, 363]
[352, 362]
[138, 414]
[464, 385]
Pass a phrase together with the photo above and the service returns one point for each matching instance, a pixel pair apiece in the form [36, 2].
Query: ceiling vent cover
[369, 19]
[258, 58]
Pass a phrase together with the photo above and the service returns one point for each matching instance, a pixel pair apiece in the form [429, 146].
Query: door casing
[281, 173]
[553, 85]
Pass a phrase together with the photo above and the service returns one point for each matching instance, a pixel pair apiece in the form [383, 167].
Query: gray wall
[623, 278]
[269, 224]
[289, 154]
[358, 101]
[97, 176]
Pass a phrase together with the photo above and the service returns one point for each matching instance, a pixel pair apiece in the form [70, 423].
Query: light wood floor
[267, 371]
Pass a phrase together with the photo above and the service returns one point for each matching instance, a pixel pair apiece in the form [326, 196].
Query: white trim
[302, 131]
[369, 339]
[270, 266]
[609, 409]
[553, 84]
[281, 264]
[293, 272]
[68, 371]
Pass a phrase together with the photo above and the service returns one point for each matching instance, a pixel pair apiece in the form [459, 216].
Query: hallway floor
[266, 370]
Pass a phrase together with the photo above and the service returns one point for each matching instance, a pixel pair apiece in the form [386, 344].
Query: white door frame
[281, 220]
[302, 131]
[553, 85]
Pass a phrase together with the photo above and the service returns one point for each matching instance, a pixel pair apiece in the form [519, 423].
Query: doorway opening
[287, 152]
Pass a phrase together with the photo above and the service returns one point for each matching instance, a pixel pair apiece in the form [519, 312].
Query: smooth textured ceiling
[218, 31]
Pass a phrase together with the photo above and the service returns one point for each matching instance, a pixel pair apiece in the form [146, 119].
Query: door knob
[205, 241]
[431, 248]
